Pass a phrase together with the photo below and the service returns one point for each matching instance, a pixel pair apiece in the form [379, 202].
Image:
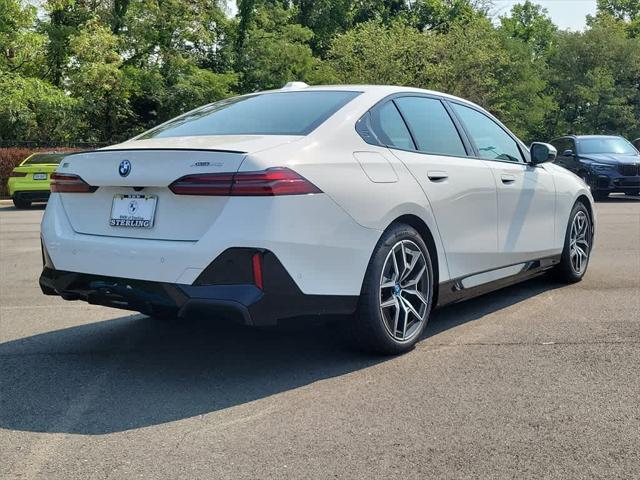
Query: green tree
[32, 110]
[627, 11]
[440, 15]
[531, 24]
[326, 19]
[65, 18]
[95, 78]
[21, 47]
[594, 78]
[177, 57]
[276, 50]
[375, 53]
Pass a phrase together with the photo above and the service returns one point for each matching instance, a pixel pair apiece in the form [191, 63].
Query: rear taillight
[68, 183]
[270, 182]
[203, 184]
[18, 174]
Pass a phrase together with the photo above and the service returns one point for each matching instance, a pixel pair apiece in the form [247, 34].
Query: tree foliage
[104, 70]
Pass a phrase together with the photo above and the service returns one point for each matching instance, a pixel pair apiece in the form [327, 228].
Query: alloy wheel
[404, 291]
[579, 245]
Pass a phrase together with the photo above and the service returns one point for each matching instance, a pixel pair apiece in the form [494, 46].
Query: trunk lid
[152, 167]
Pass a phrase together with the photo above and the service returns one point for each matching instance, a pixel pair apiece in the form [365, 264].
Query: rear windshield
[44, 158]
[282, 113]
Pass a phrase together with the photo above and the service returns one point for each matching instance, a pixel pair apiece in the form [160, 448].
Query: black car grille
[629, 170]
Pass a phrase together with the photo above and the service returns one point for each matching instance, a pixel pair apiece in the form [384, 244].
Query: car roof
[380, 90]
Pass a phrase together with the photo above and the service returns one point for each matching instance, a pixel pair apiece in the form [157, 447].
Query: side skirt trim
[453, 291]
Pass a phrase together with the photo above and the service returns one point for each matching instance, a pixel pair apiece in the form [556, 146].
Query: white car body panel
[325, 240]
[526, 212]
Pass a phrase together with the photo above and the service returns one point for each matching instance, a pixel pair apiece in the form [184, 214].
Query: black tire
[21, 204]
[370, 330]
[565, 270]
[599, 195]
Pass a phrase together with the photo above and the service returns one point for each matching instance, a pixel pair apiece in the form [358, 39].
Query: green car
[29, 181]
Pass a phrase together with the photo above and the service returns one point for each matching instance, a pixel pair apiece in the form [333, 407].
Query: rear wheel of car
[577, 245]
[397, 293]
[19, 203]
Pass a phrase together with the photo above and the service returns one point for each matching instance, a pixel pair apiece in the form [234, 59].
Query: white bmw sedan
[374, 203]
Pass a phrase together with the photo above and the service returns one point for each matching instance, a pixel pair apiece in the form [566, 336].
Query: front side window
[432, 127]
[280, 113]
[492, 141]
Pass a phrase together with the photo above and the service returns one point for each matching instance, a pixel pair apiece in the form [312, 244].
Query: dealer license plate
[39, 176]
[137, 211]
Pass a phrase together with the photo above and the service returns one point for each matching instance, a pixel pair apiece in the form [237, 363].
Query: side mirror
[568, 153]
[542, 153]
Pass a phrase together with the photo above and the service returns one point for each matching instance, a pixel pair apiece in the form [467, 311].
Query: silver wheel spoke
[396, 317]
[388, 284]
[396, 270]
[416, 279]
[389, 303]
[409, 307]
[418, 295]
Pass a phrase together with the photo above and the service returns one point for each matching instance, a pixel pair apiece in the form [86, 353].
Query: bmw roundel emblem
[125, 168]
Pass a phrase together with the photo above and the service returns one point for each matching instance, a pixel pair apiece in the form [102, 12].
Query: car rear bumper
[23, 185]
[321, 247]
[32, 195]
[244, 301]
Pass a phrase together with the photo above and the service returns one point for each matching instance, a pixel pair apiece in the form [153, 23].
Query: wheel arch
[425, 232]
[585, 201]
[582, 198]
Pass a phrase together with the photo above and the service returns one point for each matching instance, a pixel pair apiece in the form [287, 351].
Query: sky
[566, 14]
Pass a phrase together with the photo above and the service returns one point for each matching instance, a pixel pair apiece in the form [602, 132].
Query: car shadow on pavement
[134, 371]
[461, 313]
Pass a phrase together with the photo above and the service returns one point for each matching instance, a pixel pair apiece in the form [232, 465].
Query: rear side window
[387, 125]
[492, 141]
[431, 125]
[280, 113]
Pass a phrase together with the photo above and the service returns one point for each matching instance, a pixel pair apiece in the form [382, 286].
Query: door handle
[437, 176]
[508, 179]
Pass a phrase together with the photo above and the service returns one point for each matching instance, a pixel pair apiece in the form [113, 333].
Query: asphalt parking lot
[539, 380]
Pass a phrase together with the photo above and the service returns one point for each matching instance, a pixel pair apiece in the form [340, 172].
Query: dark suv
[606, 163]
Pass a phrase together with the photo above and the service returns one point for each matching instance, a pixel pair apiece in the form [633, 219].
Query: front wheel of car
[577, 245]
[397, 293]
